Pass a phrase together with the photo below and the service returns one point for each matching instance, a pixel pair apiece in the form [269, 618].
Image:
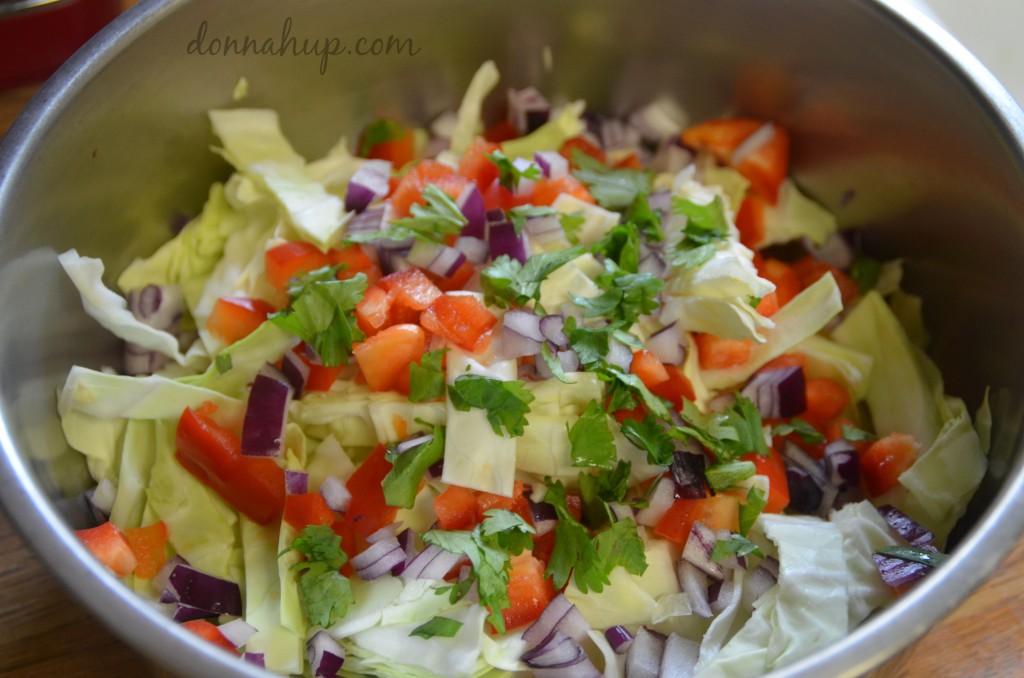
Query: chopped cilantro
[378, 132]
[613, 188]
[437, 627]
[593, 444]
[509, 175]
[571, 223]
[506, 282]
[622, 245]
[723, 476]
[626, 297]
[322, 314]
[649, 434]
[865, 271]
[439, 218]
[856, 435]
[402, 483]
[554, 364]
[705, 225]
[805, 430]
[326, 593]
[738, 546]
[751, 509]
[506, 402]
[426, 379]
[600, 488]
[915, 555]
[590, 343]
[621, 545]
[223, 362]
[520, 213]
[730, 434]
[646, 220]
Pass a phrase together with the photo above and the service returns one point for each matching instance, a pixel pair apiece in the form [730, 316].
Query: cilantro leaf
[856, 435]
[654, 404]
[509, 175]
[626, 297]
[751, 509]
[378, 132]
[621, 245]
[573, 552]
[805, 430]
[916, 555]
[507, 402]
[737, 545]
[730, 434]
[723, 476]
[591, 438]
[437, 627]
[590, 343]
[613, 188]
[402, 483]
[646, 220]
[520, 213]
[865, 271]
[650, 435]
[506, 282]
[602, 488]
[426, 379]
[487, 549]
[621, 545]
[432, 222]
[571, 223]
[508, 529]
[323, 315]
[554, 364]
[223, 362]
[326, 593]
[705, 225]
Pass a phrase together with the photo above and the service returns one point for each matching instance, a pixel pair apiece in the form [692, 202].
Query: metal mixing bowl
[896, 128]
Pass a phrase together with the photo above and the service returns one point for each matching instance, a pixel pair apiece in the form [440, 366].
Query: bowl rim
[154, 635]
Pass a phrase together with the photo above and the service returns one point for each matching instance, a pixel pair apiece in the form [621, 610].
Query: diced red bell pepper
[354, 260]
[766, 166]
[149, 544]
[302, 510]
[675, 388]
[809, 270]
[716, 353]
[456, 508]
[826, 399]
[650, 370]
[210, 633]
[374, 311]
[399, 150]
[235, 318]
[476, 166]
[885, 461]
[292, 260]
[503, 130]
[783, 276]
[110, 547]
[386, 355]
[720, 136]
[497, 197]
[367, 511]
[529, 592]
[750, 220]
[254, 486]
[461, 319]
[774, 468]
[769, 305]
[581, 144]
[410, 189]
[517, 503]
[321, 377]
[411, 292]
[719, 512]
[546, 191]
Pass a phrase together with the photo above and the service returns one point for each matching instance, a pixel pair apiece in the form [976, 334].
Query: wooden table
[44, 631]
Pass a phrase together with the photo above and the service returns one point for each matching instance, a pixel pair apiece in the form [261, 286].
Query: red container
[37, 36]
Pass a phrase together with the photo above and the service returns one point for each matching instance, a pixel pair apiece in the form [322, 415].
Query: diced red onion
[898, 572]
[266, 415]
[256, 658]
[621, 511]
[617, 135]
[772, 565]
[835, 251]
[156, 306]
[732, 561]
[797, 457]
[619, 355]
[503, 239]
[407, 541]
[694, 583]
[471, 204]
[569, 360]
[720, 595]
[778, 393]
[659, 119]
[680, 657]
[557, 649]
[653, 264]
[699, 546]
[842, 466]
[619, 638]
[237, 631]
[661, 202]
[184, 613]
[336, 494]
[544, 516]
[559, 616]
[436, 470]
[688, 473]
[296, 482]
[527, 109]
[763, 135]
[205, 591]
[140, 361]
[296, 371]
[905, 526]
[658, 504]
[386, 532]
[439, 259]
[515, 345]
[433, 562]
[367, 221]
[102, 497]
[368, 183]
[552, 329]
[829, 494]
[552, 163]
[415, 441]
[326, 656]
[379, 559]
[668, 344]
[476, 250]
[523, 165]
[805, 494]
[160, 582]
[525, 323]
[758, 582]
[643, 659]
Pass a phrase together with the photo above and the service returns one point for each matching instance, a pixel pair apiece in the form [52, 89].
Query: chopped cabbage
[796, 216]
[864, 532]
[468, 119]
[564, 125]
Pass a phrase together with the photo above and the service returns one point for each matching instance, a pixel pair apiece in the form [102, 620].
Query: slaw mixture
[572, 395]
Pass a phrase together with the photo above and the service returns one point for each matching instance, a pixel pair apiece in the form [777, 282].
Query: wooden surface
[45, 632]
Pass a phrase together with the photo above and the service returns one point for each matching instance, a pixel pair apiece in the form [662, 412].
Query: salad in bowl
[567, 394]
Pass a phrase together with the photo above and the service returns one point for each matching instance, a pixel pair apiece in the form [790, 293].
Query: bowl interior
[896, 129]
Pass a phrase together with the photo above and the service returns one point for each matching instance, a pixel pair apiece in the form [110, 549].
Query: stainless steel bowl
[896, 128]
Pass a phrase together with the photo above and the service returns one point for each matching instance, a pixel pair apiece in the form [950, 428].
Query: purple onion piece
[296, 371]
[643, 660]
[658, 504]
[379, 559]
[621, 511]
[688, 473]
[720, 595]
[336, 494]
[805, 494]
[527, 109]
[414, 442]
[619, 355]
[898, 572]
[161, 581]
[699, 546]
[758, 582]
[515, 345]
[326, 656]
[569, 360]
[475, 250]
[556, 650]
[796, 457]
[256, 658]
[842, 465]
[471, 204]
[544, 516]
[661, 202]
[368, 183]
[552, 328]
[432, 562]
[368, 221]
[905, 526]
[407, 542]
[525, 323]
[552, 163]
[237, 631]
[296, 482]
[778, 393]
[771, 564]
[503, 239]
[184, 613]
[668, 344]
[680, 656]
[436, 470]
[266, 415]
[204, 591]
[653, 264]
[560, 616]
[495, 216]
[694, 583]
[619, 638]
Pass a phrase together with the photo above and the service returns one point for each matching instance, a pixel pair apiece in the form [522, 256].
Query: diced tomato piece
[826, 399]
[497, 197]
[716, 353]
[631, 161]
[110, 547]
[149, 544]
[675, 389]
[235, 318]
[373, 312]
[517, 503]
[461, 319]
[354, 259]
[636, 414]
[385, 355]
[456, 281]
[321, 377]
[500, 131]
[720, 512]
[785, 360]
[650, 370]
[476, 166]
[783, 276]
[400, 150]
[456, 508]
[410, 188]
[529, 592]
[809, 270]
[368, 512]
[885, 461]
[546, 191]
[210, 633]
[254, 486]
[750, 220]
[410, 290]
[769, 305]
[720, 136]
[767, 165]
[581, 144]
[292, 260]
[774, 467]
[302, 510]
